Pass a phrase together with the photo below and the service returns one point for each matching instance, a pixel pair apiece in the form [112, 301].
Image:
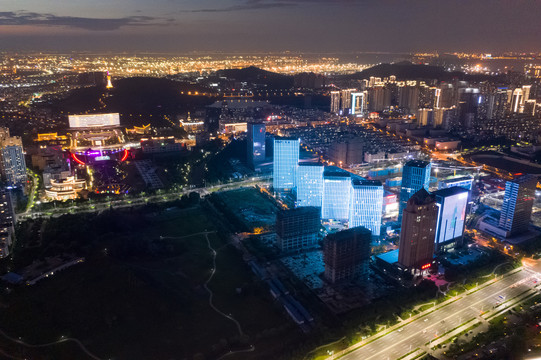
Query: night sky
[271, 25]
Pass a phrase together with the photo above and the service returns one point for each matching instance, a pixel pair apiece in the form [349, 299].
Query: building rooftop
[455, 190]
[347, 234]
[364, 182]
[421, 197]
[417, 163]
[303, 210]
[390, 257]
[278, 138]
[452, 179]
[310, 164]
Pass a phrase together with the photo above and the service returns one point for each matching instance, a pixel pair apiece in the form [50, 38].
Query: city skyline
[267, 25]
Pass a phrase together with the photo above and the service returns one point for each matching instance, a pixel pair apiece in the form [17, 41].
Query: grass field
[250, 207]
[139, 296]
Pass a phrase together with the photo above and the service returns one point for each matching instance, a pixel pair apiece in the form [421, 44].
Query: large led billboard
[452, 205]
[94, 120]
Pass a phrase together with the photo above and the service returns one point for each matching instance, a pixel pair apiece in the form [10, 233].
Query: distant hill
[409, 71]
[255, 75]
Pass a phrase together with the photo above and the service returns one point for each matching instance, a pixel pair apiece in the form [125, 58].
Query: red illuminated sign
[425, 266]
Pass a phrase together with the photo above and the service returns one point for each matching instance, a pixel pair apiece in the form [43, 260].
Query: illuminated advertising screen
[94, 120]
[451, 217]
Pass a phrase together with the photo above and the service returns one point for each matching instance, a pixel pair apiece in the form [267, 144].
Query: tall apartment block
[6, 224]
[346, 254]
[13, 165]
[298, 228]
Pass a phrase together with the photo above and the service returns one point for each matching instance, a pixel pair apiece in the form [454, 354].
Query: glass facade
[415, 176]
[256, 144]
[452, 203]
[310, 185]
[366, 205]
[286, 161]
[336, 194]
[517, 204]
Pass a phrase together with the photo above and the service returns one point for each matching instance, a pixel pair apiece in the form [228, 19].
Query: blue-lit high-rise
[309, 184]
[255, 144]
[336, 194]
[415, 176]
[285, 163]
[517, 204]
[366, 205]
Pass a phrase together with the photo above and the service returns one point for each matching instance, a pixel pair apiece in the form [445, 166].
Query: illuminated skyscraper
[309, 184]
[366, 205]
[346, 254]
[497, 103]
[468, 106]
[12, 159]
[286, 160]
[517, 204]
[336, 194]
[415, 176]
[345, 99]
[417, 237]
[256, 144]
[335, 102]
[452, 203]
[425, 117]
[516, 100]
[358, 103]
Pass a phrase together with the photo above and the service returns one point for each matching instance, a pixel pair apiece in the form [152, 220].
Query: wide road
[424, 329]
[141, 200]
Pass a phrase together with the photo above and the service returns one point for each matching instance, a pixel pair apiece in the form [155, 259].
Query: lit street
[421, 331]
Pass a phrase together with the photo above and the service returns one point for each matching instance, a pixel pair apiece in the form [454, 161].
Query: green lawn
[250, 207]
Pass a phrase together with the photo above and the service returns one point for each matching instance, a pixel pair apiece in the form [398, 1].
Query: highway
[419, 332]
[117, 203]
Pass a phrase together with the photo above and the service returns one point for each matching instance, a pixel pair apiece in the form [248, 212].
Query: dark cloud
[271, 4]
[248, 5]
[95, 24]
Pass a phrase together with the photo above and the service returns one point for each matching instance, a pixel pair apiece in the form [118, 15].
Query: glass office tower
[415, 176]
[336, 194]
[366, 205]
[309, 184]
[517, 204]
[286, 160]
[255, 144]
